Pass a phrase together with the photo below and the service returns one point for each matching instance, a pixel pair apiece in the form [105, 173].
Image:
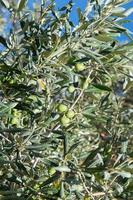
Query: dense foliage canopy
[66, 103]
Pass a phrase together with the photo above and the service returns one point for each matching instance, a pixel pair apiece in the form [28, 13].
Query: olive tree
[66, 102]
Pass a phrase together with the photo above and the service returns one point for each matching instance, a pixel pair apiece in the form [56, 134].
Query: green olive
[51, 170]
[62, 108]
[79, 67]
[65, 121]
[70, 114]
[71, 88]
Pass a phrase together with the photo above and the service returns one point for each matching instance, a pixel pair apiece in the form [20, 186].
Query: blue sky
[77, 3]
[82, 5]
[73, 16]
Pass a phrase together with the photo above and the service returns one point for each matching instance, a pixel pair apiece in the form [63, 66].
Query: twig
[84, 185]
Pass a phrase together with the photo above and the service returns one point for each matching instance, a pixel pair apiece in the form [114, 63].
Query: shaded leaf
[102, 87]
[3, 41]
[73, 147]
[55, 177]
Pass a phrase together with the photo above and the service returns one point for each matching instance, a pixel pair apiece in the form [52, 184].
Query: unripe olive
[70, 114]
[71, 88]
[62, 108]
[80, 67]
[65, 121]
[51, 170]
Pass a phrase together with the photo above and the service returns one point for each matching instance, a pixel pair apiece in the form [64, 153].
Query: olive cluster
[68, 114]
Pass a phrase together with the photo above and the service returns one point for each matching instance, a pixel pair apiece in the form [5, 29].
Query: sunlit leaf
[21, 4]
[5, 3]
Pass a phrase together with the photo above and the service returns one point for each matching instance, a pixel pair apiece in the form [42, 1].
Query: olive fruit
[70, 114]
[62, 108]
[71, 88]
[65, 121]
[51, 170]
[79, 67]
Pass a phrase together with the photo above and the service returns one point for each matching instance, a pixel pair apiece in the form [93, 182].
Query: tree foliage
[66, 103]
